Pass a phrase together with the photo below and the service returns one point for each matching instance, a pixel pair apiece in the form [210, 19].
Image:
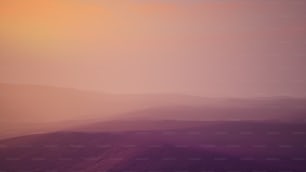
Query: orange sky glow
[210, 48]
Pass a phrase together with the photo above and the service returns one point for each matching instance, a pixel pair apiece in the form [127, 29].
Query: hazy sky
[198, 47]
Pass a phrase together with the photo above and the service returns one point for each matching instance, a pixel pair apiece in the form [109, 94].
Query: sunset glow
[207, 48]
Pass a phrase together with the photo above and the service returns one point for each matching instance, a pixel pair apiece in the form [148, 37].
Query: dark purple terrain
[81, 131]
[164, 146]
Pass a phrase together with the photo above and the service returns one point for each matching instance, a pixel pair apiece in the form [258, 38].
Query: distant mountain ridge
[54, 107]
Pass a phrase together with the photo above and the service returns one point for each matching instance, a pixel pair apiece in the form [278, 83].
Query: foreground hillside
[206, 146]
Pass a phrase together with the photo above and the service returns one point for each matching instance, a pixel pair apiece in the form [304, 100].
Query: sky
[213, 48]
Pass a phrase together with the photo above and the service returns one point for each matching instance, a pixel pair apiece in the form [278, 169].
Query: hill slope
[218, 146]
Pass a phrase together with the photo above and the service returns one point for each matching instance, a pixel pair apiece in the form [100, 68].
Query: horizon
[152, 93]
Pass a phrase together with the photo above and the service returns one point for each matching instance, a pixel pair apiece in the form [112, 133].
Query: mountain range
[33, 108]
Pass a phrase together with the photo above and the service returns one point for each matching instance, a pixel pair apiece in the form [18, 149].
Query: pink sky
[208, 48]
